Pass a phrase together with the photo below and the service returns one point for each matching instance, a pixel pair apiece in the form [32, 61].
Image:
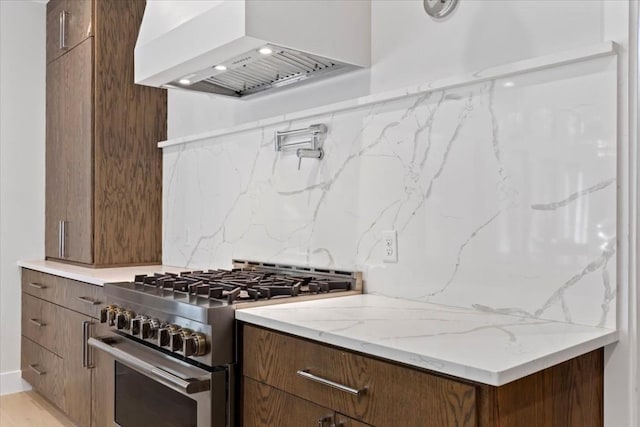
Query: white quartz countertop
[485, 347]
[96, 276]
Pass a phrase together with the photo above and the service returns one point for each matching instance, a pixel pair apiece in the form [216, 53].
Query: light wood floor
[28, 409]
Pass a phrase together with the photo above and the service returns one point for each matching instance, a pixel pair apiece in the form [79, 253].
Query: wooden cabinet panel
[128, 165]
[78, 150]
[569, 394]
[55, 187]
[41, 323]
[78, 296]
[274, 359]
[265, 406]
[43, 370]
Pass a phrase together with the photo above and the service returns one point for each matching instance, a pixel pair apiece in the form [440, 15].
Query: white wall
[22, 131]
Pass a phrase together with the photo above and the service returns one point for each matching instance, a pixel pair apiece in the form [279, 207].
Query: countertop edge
[422, 361]
[93, 276]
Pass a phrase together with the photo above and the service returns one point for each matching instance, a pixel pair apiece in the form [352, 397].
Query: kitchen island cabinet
[58, 317]
[382, 393]
[103, 169]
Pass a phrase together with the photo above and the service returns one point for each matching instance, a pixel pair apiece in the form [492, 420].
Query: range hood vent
[253, 72]
[239, 48]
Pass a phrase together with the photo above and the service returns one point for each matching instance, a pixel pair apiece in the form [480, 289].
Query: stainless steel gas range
[172, 337]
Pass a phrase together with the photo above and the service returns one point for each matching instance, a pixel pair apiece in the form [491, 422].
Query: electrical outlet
[389, 246]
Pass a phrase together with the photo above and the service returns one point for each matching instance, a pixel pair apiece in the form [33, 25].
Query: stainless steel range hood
[242, 47]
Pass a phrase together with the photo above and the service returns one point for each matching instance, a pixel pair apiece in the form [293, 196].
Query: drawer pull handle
[37, 322]
[89, 300]
[308, 375]
[36, 370]
[37, 286]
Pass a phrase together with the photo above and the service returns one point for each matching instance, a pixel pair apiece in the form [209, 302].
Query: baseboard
[12, 382]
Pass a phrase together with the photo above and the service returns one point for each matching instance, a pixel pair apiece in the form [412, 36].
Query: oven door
[148, 387]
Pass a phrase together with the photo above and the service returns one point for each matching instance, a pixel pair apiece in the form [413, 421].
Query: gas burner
[241, 284]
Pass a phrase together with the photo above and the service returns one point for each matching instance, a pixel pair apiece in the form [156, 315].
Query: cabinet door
[55, 169]
[79, 22]
[69, 22]
[77, 373]
[55, 9]
[77, 133]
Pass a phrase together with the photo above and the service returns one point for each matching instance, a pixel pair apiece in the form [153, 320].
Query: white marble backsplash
[503, 195]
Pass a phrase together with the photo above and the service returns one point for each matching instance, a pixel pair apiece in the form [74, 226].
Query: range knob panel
[181, 340]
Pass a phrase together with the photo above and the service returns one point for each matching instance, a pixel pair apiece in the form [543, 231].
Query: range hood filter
[254, 72]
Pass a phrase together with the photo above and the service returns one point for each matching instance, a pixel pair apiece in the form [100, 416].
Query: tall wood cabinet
[103, 168]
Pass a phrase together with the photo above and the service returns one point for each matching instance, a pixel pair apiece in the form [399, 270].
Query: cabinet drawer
[392, 395]
[43, 370]
[265, 406]
[41, 322]
[79, 296]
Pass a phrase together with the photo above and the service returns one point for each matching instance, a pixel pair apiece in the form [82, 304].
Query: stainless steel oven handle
[153, 372]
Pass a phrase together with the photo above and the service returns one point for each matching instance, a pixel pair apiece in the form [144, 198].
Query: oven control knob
[148, 330]
[108, 314]
[194, 345]
[164, 335]
[175, 341]
[120, 321]
[111, 315]
[134, 326]
[123, 319]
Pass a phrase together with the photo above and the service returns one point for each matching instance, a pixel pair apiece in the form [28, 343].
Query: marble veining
[486, 347]
[502, 192]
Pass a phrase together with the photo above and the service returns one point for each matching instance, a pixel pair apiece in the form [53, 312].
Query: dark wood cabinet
[58, 317]
[274, 393]
[69, 187]
[103, 167]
